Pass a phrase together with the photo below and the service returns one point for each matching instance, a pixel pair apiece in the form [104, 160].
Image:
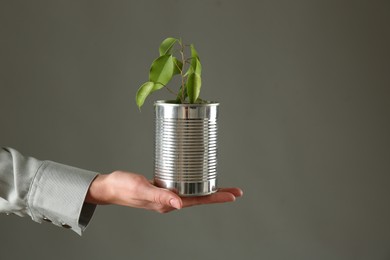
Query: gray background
[304, 126]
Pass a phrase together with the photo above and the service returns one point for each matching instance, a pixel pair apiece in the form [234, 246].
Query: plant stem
[170, 90]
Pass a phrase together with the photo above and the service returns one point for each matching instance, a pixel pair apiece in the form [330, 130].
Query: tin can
[185, 158]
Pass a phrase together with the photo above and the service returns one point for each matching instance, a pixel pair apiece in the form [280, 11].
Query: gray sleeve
[45, 190]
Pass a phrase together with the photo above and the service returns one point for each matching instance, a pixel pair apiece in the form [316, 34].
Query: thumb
[164, 197]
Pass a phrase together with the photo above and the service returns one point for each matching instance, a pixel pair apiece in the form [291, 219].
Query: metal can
[185, 159]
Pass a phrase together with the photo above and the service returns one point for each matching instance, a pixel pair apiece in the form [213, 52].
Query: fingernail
[175, 203]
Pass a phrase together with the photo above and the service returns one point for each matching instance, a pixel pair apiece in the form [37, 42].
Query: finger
[163, 197]
[237, 192]
[218, 197]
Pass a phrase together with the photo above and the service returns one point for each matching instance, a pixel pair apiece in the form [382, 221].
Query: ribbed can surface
[186, 147]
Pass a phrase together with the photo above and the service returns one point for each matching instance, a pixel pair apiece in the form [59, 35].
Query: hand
[133, 190]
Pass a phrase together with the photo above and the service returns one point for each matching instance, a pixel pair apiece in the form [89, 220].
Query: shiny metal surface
[186, 147]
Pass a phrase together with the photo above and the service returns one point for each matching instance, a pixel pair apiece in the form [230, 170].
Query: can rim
[174, 104]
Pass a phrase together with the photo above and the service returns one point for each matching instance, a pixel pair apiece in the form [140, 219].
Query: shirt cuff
[57, 195]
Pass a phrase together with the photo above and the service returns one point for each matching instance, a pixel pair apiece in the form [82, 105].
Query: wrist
[97, 192]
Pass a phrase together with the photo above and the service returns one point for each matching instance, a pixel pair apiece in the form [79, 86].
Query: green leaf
[157, 86]
[195, 61]
[167, 45]
[195, 66]
[179, 96]
[189, 71]
[194, 53]
[162, 69]
[143, 92]
[193, 85]
[178, 66]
